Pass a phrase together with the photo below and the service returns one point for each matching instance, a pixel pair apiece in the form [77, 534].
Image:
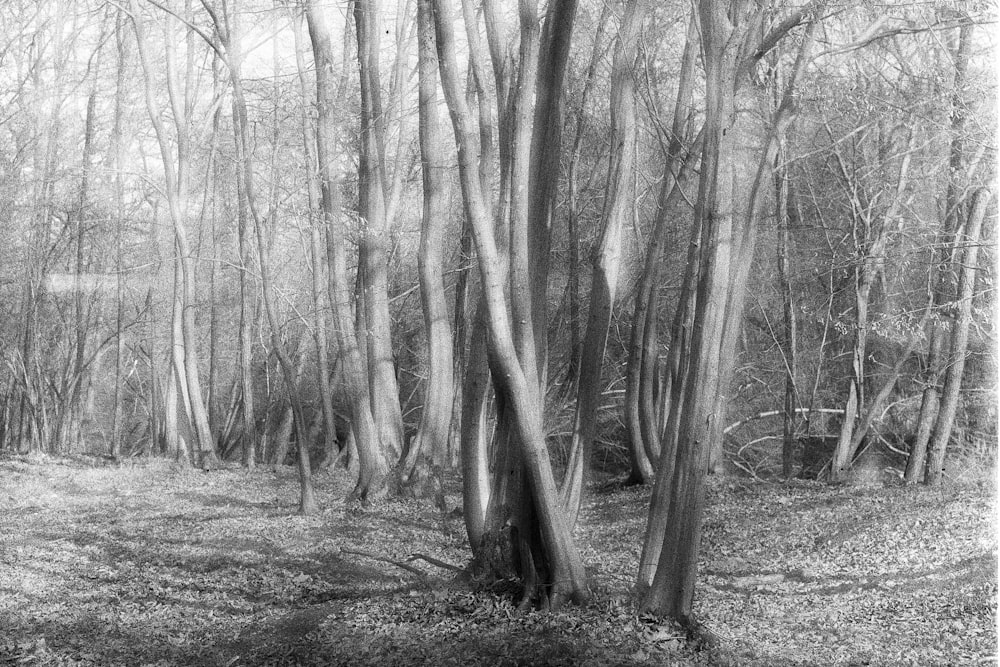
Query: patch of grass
[153, 564]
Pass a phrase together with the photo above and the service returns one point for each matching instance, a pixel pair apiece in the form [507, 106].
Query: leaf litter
[155, 564]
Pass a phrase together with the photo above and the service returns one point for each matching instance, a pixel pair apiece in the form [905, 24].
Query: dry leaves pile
[157, 565]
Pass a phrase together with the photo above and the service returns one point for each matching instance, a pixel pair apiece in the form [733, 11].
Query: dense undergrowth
[153, 564]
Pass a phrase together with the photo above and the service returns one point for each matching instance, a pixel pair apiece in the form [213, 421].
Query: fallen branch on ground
[409, 568]
[435, 561]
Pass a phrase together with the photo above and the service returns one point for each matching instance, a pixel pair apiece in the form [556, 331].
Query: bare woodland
[529, 246]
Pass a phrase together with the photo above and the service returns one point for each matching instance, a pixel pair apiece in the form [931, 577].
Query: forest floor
[152, 564]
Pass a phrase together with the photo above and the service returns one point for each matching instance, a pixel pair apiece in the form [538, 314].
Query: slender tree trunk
[373, 248]
[955, 361]
[642, 367]
[76, 409]
[432, 436]
[574, 208]
[789, 426]
[226, 28]
[943, 281]
[319, 262]
[373, 468]
[557, 567]
[606, 256]
[875, 236]
[118, 149]
[184, 344]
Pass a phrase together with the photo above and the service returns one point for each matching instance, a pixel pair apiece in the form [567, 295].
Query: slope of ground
[153, 564]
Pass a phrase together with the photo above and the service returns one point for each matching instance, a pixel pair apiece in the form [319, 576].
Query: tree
[943, 281]
[642, 385]
[377, 198]
[724, 249]
[969, 258]
[184, 347]
[229, 51]
[373, 471]
[435, 420]
[550, 564]
[607, 254]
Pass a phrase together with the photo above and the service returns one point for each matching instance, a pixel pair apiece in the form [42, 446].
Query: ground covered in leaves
[153, 564]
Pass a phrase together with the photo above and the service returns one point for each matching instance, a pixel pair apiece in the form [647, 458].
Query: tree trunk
[435, 422]
[556, 570]
[606, 256]
[943, 281]
[373, 248]
[185, 355]
[574, 208]
[118, 150]
[955, 361]
[476, 486]
[874, 235]
[226, 28]
[319, 262]
[679, 492]
[642, 369]
[789, 330]
[373, 469]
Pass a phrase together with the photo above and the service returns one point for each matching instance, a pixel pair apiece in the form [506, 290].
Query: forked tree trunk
[679, 492]
[875, 237]
[374, 244]
[943, 285]
[955, 360]
[643, 367]
[557, 570]
[226, 29]
[184, 337]
[432, 436]
[373, 469]
[618, 201]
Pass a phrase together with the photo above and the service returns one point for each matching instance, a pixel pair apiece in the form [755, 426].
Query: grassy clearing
[158, 565]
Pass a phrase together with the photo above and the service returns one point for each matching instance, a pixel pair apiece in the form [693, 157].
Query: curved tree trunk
[316, 251]
[557, 570]
[373, 468]
[679, 492]
[607, 256]
[435, 421]
[184, 343]
[642, 370]
[373, 249]
[943, 281]
[960, 339]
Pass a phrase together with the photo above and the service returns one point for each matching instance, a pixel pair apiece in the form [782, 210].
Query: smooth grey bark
[606, 258]
[955, 361]
[642, 413]
[317, 255]
[943, 281]
[372, 466]
[184, 346]
[431, 439]
[560, 568]
[374, 208]
[679, 492]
